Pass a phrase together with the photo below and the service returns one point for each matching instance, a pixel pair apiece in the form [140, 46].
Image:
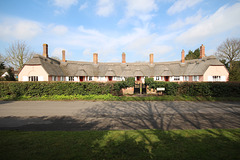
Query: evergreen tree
[10, 76]
[193, 55]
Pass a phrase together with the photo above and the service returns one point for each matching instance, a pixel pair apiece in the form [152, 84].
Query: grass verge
[110, 97]
[134, 144]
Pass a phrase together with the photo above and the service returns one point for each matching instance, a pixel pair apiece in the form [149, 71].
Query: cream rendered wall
[216, 71]
[35, 70]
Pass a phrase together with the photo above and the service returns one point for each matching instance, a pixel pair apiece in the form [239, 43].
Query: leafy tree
[193, 55]
[229, 51]
[234, 73]
[18, 53]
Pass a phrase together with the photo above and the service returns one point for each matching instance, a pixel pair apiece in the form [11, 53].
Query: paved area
[84, 115]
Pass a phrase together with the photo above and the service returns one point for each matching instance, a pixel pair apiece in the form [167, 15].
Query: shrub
[171, 88]
[38, 89]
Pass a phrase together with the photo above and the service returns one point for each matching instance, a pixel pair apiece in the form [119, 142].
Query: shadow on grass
[159, 142]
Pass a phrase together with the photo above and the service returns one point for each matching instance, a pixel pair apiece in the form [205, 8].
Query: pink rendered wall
[215, 71]
[33, 70]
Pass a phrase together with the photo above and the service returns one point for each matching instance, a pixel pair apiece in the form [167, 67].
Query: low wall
[129, 90]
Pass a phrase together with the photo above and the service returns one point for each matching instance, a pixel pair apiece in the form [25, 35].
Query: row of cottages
[44, 68]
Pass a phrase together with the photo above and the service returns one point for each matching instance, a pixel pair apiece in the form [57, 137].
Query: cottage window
[71, 78]
[101, 78]
[61, 78]
[90, 78]
[216, 78]
[176, 78]
[117, 78]
[195, 78]
[54, 78]
[186, 78]
[158, 78]
[33, 78]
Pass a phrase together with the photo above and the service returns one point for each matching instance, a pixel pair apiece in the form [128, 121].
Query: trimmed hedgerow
[214, 89]
[37, 89]
[55, 88]
[63, 88]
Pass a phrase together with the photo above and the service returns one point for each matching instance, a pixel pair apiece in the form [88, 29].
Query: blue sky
[110, 27]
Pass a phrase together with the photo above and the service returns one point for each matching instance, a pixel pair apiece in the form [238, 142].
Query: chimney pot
[63, 56]
[95, 58]
[202, 51]
[183, 56]
[45, 50]
[123, 57]
[151, 58]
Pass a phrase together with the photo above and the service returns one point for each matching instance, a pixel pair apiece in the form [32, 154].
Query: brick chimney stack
[45, 50]
[183, 56]
[151, 58]
[63, 56]
[202, 51]
[95, 58]
[123, 57]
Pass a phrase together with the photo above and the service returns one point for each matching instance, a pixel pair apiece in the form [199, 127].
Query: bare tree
[18, 53]
[229, 51]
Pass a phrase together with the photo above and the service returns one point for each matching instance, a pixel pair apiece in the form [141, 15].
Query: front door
[138, 78]
[140, 88]
[110, 78]
[166, 78]
[81, 78]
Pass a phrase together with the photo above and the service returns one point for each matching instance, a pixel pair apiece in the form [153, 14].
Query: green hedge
[63, 88]
[17, 89]
[214, 89]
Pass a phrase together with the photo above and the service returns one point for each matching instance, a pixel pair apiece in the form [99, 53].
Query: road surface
[86, 115]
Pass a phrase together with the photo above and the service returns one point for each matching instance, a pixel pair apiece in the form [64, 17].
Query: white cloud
[15, 28]
[138, 41]
[187, 21]
[223, 20]
[83, 6]
[138, 10]
[65, 4]
[105, 7]
[89, 31]
[181, 5]
[60, 30]
[140, 7]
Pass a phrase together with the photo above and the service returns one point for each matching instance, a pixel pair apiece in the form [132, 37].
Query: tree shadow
[161, 141]
[63, 123]
[161, 115]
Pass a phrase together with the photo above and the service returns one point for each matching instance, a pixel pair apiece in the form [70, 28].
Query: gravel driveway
[85, 115]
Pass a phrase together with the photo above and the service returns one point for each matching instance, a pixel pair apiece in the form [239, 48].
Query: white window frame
[117, 78]
[186, 78]
[216, 78]
[54, 78]
[195, 78]
[33, 78]
[62, 78]
[157, 78]
[176, 78]
[71, 78]
[101, 78]
[90, 78]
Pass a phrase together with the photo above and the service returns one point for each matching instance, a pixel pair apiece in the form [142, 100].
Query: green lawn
[110, 97]
[134, 144]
